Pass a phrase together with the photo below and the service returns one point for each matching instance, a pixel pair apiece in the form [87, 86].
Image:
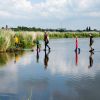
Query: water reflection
[37, 56]
[90, 60]
[18, 54]
[16, 57]
[5, 57]
[61, 81]
[77, 52]
[46, 58]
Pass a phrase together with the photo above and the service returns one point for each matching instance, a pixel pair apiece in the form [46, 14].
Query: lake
[60, 74]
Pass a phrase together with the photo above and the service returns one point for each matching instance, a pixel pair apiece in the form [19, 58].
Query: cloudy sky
[70, 14]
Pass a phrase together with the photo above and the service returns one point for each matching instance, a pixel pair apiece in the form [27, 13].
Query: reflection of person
[91, 43]
[46, 59]
[16, 57]
[76, 58]
[46, 40]
[90, 60]
[37, 56]
[77, 52]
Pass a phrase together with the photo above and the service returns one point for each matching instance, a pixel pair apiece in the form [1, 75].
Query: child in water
[38, 45]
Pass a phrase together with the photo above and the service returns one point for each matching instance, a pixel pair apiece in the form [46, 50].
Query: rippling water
[60, 74]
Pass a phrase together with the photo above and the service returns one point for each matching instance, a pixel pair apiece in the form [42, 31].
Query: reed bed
[7, 40]
[27, 39]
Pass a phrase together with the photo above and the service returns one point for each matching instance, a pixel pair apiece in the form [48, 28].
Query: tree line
[24, 28]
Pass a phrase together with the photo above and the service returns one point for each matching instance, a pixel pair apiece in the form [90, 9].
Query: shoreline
[28, 39]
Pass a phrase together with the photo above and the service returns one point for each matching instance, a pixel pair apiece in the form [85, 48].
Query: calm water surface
[60, 74]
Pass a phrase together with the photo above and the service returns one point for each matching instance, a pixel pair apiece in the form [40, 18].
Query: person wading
[46, 40]
[91, 43]
[77, 49]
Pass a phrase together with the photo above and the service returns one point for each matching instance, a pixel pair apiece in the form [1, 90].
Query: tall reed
[6, 39]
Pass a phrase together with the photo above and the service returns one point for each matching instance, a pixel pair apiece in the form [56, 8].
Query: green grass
[72, 35]
[7, 40]
[28, 39]
[55, 35]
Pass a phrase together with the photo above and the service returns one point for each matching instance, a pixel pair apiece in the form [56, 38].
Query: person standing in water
[77, 49]
[46, 40]
[91, 43]
[38, 48]
[76, 43]
[38, 45]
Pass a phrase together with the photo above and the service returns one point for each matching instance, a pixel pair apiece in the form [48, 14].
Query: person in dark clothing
[91, 43]
[46, 40]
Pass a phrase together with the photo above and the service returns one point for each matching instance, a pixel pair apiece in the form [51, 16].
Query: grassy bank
[73, 35]
[55, 35]
[7, 40]
[27, 39]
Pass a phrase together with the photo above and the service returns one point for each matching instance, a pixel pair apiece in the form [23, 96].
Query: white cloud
[15, 5]
[4, 13]
[15, 9]
[96, 14]
[61, 9]
[49, 10]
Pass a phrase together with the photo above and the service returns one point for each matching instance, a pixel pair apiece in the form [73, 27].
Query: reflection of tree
[46, 59]
[3, 59]
[90, 60]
